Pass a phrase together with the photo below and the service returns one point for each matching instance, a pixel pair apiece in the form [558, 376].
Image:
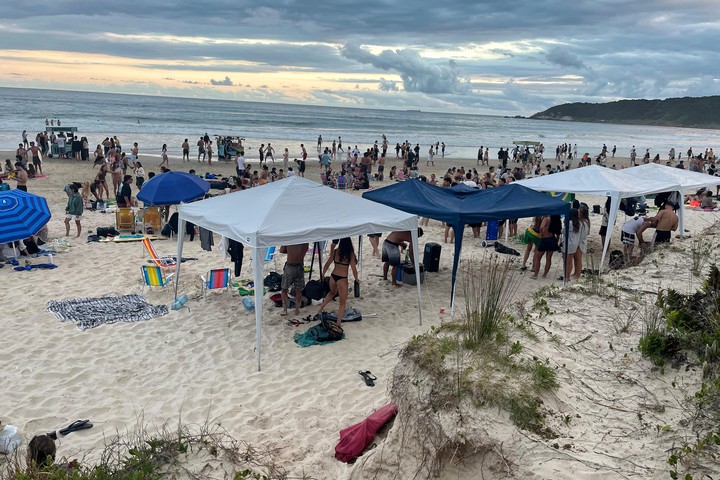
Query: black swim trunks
[391, 253]
[662, 236]
[548, 244]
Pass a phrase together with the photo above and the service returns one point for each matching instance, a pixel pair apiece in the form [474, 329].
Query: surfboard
[131, 238]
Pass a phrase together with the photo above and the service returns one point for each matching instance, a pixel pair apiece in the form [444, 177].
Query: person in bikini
[344, 259]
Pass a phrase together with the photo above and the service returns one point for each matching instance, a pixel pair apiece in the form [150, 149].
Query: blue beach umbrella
[172, 188]
[22, 215]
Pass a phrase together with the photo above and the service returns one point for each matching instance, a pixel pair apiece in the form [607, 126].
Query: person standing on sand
[430, 157]
[261, 152]
[21, 177]
[293, 274]
[74, 210]
[269, 153]
[381, 168]
[391, 252]
[209, 149]
[24, 138]
[344, 259]
[35, 154]
[201, 149]
[186, 151]
[550, 228]
[286, 158]
[319, 145]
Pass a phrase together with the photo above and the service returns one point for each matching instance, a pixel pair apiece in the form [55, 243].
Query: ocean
[153, 121]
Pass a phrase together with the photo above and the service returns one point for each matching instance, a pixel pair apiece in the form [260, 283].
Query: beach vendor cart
[68, 133]
[228, 146]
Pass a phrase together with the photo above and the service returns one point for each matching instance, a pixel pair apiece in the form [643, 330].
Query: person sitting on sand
[707, 201]
[344, 259]
[391, 252]
[41, 451]
[293, 274]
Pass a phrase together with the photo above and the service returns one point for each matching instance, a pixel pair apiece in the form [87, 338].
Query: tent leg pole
[178, 260]
[418, 276]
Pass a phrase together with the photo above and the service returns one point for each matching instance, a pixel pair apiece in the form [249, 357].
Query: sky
[496, 57]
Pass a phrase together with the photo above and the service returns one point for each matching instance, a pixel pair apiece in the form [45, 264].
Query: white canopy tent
[289, 212]
[688, 180]
[597, 180]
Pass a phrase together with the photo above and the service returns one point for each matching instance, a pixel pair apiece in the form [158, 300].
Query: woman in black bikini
[344, 258]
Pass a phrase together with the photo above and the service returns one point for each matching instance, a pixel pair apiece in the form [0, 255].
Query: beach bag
[319, 334]
[107, 232]
[617, 260]
[629, 206]
[314, 290]
[351, 315]
[500, 248]
[273, 281]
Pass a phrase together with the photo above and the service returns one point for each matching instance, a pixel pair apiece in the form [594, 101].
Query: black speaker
[431, 257]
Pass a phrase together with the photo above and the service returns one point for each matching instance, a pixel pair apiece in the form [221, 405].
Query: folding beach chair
[125, 219]
[165, 262]
[152, 218]
[153, 276]
[216, 279]
[341, 182]
[323, 178]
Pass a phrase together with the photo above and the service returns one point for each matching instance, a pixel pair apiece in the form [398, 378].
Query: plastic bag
[10, 439]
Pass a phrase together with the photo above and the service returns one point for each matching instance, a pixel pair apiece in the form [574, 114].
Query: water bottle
[183, 299]
[249, 304]
[356, 289]
[398, 277]
[50, 258]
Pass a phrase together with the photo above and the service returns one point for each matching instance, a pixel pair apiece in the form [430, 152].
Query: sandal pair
[368, 377]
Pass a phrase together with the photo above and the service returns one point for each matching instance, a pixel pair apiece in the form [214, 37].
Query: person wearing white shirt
[240, 168]
[291, 172]
[469, 181]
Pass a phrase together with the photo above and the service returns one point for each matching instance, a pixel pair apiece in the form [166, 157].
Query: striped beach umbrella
[22, 215]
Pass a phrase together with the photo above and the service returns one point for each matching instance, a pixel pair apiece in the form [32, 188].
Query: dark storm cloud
[573, 51]
[418, 74]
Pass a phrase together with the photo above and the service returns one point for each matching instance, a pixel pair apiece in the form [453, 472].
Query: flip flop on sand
[294, 323]
[73, 427]
[368, 377]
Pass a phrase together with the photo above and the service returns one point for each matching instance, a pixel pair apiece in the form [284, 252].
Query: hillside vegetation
[695, 112]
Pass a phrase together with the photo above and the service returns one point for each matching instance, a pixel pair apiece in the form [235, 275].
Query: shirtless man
[186, 151]
[665, 221]
[21, 177]
[391, 252]
[293, 274]
[35, 153]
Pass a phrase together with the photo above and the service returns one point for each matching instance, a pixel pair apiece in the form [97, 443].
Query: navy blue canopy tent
[460, 206]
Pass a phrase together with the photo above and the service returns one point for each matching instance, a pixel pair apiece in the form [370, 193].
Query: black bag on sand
[273, 282]
[314, 290]
[617, 260]
[107, 232]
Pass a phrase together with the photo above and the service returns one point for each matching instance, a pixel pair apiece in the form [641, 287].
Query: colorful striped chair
[216, 278]
[153, 276]
[164, 262]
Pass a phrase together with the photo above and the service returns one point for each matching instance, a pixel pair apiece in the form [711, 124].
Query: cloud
[417, 73]
[561, 56]
[226, 82]
[388, 85]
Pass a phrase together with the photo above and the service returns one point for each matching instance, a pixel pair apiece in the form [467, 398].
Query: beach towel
[351, 315]
[500, 248]
[354, 439]
[91, 312]
[321, 334]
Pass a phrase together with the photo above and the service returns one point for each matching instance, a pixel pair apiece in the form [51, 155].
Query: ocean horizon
[152, 121]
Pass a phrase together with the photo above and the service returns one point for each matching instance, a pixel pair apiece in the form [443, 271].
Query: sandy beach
[197, 364]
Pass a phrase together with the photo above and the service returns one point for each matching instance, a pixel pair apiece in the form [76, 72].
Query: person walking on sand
[344, 259]
[391, 252]
[293, 274]
[74, 210]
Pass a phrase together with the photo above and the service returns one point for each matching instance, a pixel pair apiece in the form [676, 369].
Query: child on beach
[139, 175]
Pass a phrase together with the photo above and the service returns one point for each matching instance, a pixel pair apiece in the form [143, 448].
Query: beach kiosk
[68, 133]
